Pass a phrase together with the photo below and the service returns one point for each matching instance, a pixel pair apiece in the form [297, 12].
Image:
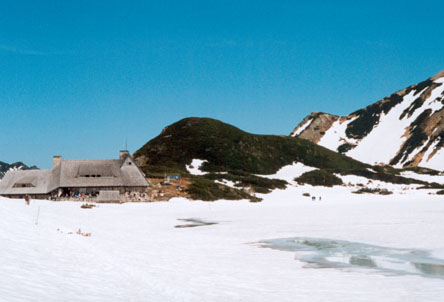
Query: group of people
[136, 197]
[314, 198]
[77, 196]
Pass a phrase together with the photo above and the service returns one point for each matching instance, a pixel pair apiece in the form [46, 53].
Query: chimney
[124, 154]
[56, 161]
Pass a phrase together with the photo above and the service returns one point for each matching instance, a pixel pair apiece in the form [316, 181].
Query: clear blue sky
[78, 78]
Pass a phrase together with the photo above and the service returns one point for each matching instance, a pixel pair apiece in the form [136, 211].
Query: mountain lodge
[74, 177]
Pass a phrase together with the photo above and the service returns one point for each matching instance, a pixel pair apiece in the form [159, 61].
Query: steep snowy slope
[403, 129]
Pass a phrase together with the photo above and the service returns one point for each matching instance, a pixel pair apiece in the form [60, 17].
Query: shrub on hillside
[386, 174]
[373, 191]
[208, 190]
[319, 178]
[227, 148]
[422, 170]
[243, 179]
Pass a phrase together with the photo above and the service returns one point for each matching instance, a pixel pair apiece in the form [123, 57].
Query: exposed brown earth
[320, 122]
[161, 191]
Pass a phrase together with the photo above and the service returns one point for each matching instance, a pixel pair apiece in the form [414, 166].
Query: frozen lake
[340, 254]
[370, 248]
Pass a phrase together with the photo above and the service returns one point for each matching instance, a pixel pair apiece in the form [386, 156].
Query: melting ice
[328, 253]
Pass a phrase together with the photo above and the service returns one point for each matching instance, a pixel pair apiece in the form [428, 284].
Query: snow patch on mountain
[301, 128]
[4, 168]
[382, 144]
[227, 183]
[290, 172]
[437, 161]
[335, 137]
[194, 167]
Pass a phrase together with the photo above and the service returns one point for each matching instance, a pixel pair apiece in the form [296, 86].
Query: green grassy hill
[226, 148]
[241, 154]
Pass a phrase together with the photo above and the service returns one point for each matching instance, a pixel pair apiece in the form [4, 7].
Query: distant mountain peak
[5, 167]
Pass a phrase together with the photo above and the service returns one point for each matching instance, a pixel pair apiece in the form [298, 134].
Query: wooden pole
[38, 214]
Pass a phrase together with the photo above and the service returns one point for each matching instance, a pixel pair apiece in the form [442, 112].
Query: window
[23, 185]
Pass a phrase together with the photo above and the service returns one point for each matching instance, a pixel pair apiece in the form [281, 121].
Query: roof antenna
[126, 144]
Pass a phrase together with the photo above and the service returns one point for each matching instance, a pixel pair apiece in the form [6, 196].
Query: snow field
[135, 253]
[386, 137]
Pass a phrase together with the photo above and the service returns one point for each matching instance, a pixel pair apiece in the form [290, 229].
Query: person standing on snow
[27, 199]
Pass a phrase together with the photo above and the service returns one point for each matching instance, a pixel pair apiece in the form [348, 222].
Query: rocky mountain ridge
[405, 129]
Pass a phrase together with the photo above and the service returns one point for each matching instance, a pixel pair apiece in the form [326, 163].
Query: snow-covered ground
[135, 252]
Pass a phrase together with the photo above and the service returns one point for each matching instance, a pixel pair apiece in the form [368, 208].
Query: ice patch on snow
[193, 222]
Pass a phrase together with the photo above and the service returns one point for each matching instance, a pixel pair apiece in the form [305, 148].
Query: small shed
[109, 197]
